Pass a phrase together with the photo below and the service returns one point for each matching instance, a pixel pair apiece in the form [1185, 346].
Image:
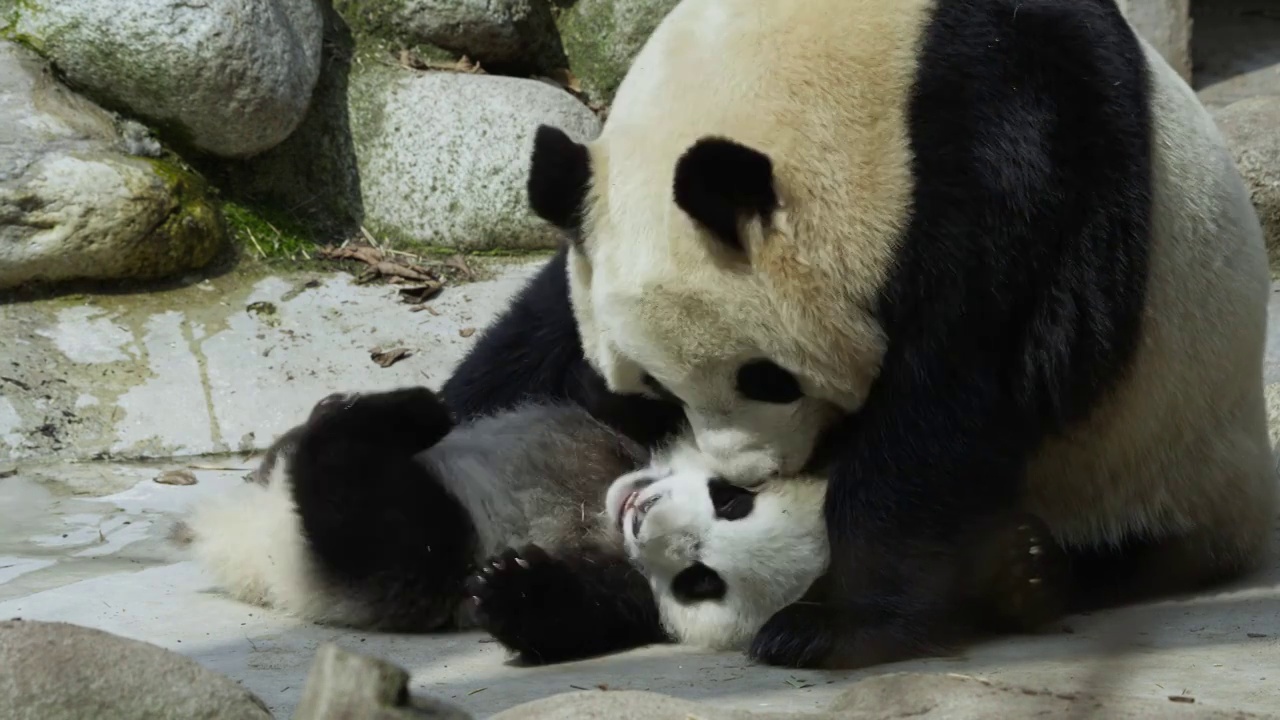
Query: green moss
[602, 37]
[265, 233]
[11, 12]
[193, 233]
[379, 33]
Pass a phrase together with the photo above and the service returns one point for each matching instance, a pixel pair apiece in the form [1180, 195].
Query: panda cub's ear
[719, 181]
[559, 174]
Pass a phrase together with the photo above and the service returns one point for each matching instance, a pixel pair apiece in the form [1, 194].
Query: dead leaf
[364, 253]
[459, 263]
[387, 358]
[379, 264]
[408, 272]
[177, 477]
[420, 293]
[467, 332]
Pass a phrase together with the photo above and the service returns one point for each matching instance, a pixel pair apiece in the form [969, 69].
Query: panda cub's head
[722, 559]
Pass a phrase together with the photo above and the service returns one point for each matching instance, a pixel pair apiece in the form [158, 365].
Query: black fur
[381, 527]
[552, 608]
[533, 351]
[559, 175]
[718, 182]
[1014, 305]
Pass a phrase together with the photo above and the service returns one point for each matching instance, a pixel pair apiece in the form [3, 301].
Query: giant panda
[976, 257]
[379, 513]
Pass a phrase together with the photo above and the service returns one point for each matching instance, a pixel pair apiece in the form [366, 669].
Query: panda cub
[379, 513]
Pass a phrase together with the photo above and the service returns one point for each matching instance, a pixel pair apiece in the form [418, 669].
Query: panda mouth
[638, 510]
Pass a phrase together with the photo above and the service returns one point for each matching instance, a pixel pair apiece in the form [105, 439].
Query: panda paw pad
[513, 591]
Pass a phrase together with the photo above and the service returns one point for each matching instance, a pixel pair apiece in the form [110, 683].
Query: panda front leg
[530, 352]
[918, 485]
[533, 351]
[566, 605]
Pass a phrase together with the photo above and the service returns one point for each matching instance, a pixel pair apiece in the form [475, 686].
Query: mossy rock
[511, 37]
[77, 208]
[602, 37]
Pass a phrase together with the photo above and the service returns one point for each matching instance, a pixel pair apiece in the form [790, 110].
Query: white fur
[250, 540]
[768, 559]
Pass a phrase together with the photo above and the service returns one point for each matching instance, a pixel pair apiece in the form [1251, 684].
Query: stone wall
[409, 121]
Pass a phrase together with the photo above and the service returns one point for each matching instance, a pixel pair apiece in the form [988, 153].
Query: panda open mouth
[638, 511]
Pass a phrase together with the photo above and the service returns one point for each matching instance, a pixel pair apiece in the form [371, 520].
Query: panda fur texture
[377, 513]
[979, 257]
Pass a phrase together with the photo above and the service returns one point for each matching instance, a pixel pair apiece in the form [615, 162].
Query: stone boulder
[893, 696]
[1252, 130]
[602, 37]
[444, 157]
[232, 78]
[58, 671]
[505, 36]
[1166, 24]
[74, 205]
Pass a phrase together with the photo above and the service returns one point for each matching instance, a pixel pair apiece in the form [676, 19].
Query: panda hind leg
[380, 529]
[1143, 570]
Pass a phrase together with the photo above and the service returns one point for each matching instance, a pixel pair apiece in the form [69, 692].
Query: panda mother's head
[721, 559]
[693, 276]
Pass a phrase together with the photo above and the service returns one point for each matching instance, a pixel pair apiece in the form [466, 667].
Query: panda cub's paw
[518, 595]
[1029, 577]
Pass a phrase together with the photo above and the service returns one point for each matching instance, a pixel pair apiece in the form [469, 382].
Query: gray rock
[1166, 24]
[1236, 49]
[444, 157]
[313, 174]
[347, 685]
[893, 696]
[602, 37]
[1252, 130]
[72, 205]
[58, 671]
[509, 36]
[231, 77]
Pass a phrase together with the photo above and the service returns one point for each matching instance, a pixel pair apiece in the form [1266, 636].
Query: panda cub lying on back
[379, 513]
[557, 535]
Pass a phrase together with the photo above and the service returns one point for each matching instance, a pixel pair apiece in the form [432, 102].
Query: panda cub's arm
[567, 605]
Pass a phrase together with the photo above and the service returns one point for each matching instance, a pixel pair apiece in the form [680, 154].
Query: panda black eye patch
[765, 381]
[698, 583]
[730, 501]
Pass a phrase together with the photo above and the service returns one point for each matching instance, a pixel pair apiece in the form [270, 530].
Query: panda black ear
[718, 181]
[559, 173]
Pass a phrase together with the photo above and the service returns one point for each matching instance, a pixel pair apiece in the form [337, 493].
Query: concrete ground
[99, 396]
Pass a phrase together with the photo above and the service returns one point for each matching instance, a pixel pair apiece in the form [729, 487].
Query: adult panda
[980, 255]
